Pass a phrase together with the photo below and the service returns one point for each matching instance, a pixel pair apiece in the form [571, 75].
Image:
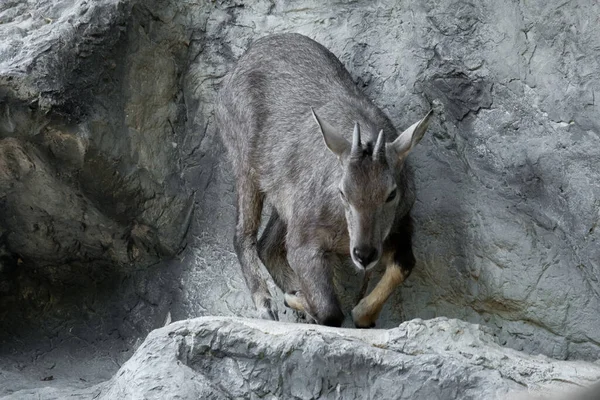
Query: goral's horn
[356, 146]
[379, 150]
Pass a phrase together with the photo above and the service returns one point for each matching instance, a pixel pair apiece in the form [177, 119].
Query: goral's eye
[343, 196]
[392, 195]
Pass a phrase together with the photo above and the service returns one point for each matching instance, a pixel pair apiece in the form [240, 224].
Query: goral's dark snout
[365, 255]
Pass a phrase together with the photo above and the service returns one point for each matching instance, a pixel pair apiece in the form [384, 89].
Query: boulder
[225, 358]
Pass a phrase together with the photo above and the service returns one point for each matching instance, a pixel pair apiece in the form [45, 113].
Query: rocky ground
[116, 201]
[227, 358]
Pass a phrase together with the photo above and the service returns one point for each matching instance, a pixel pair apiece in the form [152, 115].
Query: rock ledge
[223, 358]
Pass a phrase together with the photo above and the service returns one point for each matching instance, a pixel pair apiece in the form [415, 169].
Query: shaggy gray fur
[328, 204]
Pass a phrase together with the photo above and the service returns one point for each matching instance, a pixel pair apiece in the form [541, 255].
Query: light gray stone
[224, 358]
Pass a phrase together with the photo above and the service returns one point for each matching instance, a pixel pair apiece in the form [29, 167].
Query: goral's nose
[364, 255]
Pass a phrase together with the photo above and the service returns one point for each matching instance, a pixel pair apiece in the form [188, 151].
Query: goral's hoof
[267, 309]
[362, 317]
[364, 327]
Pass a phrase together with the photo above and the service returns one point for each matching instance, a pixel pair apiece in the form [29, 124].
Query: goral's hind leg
[273, 254]
[249, 208]
[399, 261]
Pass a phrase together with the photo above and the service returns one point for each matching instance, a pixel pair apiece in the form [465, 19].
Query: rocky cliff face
[507, 196]
[116, 199]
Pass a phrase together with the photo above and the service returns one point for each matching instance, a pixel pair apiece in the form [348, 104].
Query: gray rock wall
[508, 200]
[108, 154]
[90, 185]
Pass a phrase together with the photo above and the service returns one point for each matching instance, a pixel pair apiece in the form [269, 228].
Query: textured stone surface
[508, 194]
[107, 140]
[89, 186]
[224, 358]
[91, 123]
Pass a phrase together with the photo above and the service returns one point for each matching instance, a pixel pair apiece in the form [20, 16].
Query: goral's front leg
[367, 310]
[316, 295]
[399, 261]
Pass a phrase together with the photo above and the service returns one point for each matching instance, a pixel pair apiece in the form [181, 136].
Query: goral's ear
[334, 141]
[409, 138]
